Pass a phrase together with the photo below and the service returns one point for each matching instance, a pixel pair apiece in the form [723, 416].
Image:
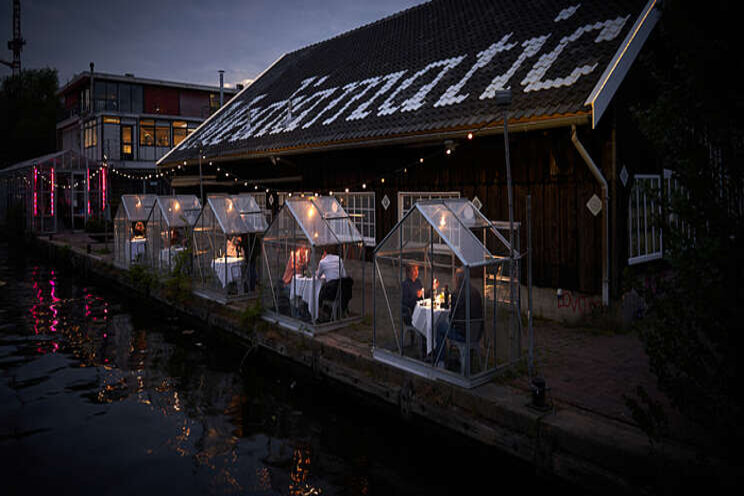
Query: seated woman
[138, 230]
[455, 327]
[411, 291]
[296, 264]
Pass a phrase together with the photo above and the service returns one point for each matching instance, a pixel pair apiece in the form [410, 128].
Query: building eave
[423, 137]
[601, 96]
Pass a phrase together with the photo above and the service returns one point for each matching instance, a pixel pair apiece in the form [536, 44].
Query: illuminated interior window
[147, 133]
[162, 135]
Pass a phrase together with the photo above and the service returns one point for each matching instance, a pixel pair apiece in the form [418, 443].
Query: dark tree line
[692, 116]
[28, 114]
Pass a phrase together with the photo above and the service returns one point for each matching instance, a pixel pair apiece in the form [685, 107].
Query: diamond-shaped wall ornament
[271, 200]
[594, 205]
[624, 175]
[477, 202]
[385, 202]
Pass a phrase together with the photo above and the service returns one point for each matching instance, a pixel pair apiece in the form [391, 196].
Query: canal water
[103, 394]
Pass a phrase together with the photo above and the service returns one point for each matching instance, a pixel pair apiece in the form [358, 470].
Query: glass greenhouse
[169, 231]
[313, 257]
[129, 229]
[227, 246]
[446, 295]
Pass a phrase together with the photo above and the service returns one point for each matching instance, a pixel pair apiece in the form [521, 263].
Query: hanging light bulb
[382, 180]
[421, 160]
[364, 186]
[470, 136]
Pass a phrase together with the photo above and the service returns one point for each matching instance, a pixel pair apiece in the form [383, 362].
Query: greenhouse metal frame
[227, 244]
[130, 234]
[472, 315]
[169, 232]
[298, 295]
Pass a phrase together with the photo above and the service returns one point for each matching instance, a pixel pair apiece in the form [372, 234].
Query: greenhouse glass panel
[169, 233]
[130, 241]
[445, 307]
[313, 260]
[226, 248]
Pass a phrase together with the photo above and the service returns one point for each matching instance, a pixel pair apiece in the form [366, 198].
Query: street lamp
[201, 185]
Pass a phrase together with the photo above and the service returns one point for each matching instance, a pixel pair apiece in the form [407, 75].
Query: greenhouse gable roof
[137, 207]
[239, 214]
[323, 221]
[435, 69]
[452, 221]
[179, 210]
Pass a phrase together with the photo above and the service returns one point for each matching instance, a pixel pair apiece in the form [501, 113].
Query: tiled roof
[428, 69]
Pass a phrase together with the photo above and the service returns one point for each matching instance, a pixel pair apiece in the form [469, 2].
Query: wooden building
[413, 106]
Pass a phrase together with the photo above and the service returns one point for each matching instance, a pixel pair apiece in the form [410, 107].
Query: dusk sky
[182, 40]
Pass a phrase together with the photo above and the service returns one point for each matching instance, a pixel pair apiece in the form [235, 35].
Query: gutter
[605, 214]
[420, 138]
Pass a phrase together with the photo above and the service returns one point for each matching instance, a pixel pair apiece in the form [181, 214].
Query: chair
[333, 303]
[476, 332]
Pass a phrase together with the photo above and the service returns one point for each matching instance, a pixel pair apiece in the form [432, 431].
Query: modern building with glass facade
[130, 122]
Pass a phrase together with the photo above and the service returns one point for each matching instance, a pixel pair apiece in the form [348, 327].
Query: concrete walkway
[590, 438]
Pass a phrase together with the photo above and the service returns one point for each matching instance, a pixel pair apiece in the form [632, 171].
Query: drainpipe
[605, 214]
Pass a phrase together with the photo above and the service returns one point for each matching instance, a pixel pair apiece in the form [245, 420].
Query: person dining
[332, 271]
[330, 267]
[454, 327]
[411, 291]
[296, 264]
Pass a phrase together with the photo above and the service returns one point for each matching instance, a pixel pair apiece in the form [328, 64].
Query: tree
[692, 331]
[28, 115]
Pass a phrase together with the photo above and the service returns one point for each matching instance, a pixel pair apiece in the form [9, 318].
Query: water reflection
[158, 406]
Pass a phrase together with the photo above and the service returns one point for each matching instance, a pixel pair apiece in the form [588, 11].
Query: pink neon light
[87, 184]
[51, 193]
[36, 198]
[103, 187]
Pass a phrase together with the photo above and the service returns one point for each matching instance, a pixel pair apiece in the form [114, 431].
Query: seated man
[411, 291]
[331, 266]
[455, 327]
[331, 269]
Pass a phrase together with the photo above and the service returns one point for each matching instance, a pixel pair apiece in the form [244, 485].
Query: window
[180, 132]
[106, 96]
[405, 203]
[162, 135]
[90, 134]
[110, 120]
[147, 133]
[125, 97]
[137, 99]
[126, 143]
[361, 208]
[85, 100]
[407, 199]
[214, 103]
[644, 213]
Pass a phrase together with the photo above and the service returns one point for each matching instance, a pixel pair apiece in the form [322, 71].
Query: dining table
[422, 317]
[228, 269]
[302, 287]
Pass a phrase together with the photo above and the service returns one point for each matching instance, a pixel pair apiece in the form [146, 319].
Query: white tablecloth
[302, 287]
[166, 256]
[233, 266]
[421, 320]
[136, 247]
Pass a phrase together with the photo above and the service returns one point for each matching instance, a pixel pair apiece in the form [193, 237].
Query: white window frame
[641, 207]
[422, 195]
[362, 216]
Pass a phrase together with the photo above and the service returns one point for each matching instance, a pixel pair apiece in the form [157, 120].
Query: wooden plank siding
[566, 236]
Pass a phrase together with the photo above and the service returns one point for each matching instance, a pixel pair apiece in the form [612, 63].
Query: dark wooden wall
[566, 236]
